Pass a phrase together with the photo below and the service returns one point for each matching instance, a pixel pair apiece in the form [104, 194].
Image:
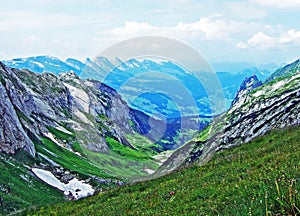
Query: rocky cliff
[33, 103]
[12, 134]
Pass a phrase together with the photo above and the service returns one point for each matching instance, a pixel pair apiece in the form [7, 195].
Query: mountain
[78, 136]
[175, 134]
[275, 104]
[46, 63]
[49, 106]
[148, 86]
[159, 88]
[237, 67]
[161, 85]
[81, 137]
[151, 76]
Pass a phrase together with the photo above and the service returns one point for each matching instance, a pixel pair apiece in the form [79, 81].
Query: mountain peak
[248, 84]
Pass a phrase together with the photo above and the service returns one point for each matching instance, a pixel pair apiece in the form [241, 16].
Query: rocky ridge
[248, 84]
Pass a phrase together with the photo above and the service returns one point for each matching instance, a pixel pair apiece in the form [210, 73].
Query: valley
[68, 138]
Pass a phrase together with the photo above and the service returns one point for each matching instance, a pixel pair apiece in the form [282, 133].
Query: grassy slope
[119, 162]
[259, 178]
[19, 188]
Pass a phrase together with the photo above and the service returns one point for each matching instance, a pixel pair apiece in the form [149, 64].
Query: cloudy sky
[259, 31]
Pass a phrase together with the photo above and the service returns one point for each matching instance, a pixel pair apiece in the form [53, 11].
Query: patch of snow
[78, 189]
[77, 153]
[149, 171]
[10, 163]
[153, 59]
[51, 137]
[48, 178]
[39, 64]
[25, 178]
[54, 155]
[52, 64]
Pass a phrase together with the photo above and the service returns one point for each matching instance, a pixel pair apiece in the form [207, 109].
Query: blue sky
[259, 31]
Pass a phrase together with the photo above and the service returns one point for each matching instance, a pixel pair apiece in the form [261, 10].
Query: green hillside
[19, 188]
[258, 178]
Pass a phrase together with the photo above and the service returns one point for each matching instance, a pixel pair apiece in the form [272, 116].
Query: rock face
[33, 104]
[273, 105]
[248, 84]
[12, 134]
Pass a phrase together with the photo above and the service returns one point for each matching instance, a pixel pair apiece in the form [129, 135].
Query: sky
[259, 31]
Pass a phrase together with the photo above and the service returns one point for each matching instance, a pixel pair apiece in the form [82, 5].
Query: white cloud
[263, 41]
[214, 27]
[84, 28]
[278, 3]
[291, 37]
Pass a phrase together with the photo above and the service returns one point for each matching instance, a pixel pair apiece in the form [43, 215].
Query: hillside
[258, 178]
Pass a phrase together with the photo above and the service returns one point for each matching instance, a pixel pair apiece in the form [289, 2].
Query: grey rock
[12, 135]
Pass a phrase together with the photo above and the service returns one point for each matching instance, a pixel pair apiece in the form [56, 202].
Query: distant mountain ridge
[133, 69]
[236, 67]
[46, 63]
